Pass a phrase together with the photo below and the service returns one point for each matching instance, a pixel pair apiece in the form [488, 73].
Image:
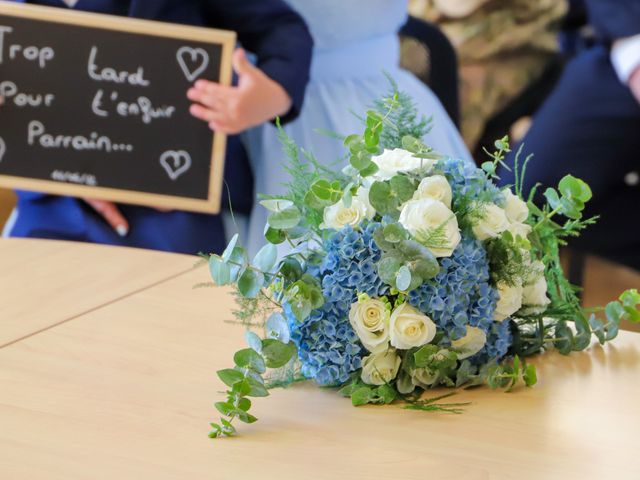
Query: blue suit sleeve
[615, 19]
[277, 36]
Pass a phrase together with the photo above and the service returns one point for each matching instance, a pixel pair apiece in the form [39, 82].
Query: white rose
[380, 368]
[535, 289]
[536, 293]
[471, 343]
[510, 301]
[420, 217]
[516, 209]
[339, 215]
[423, 377]
[519, 229]
[410, 328]
[392, 162]
[436, 187]
[370, 320]
[492, 224]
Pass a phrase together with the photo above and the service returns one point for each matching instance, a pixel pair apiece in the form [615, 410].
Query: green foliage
[363, 394]
[246, 380]
[508, 258]
[403, 119]
[387, 196]
[434, 404]
[571, 199]
[304, 296]
[497, 158]
[435, 358]
[507, 375]
[405, 264]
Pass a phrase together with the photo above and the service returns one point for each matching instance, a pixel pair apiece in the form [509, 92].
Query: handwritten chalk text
[9, 91]
[38, 136]
[31, 53]
[108, 74]
[142, 107]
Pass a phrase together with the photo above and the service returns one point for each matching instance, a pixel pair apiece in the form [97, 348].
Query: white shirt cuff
[625, 57]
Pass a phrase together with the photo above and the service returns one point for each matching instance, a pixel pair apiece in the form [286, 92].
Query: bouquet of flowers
[405, 271]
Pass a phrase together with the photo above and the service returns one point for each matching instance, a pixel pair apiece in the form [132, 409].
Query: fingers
[206, 114]
[111, 215]
[209, 94]
[1, 100]
[241, 64]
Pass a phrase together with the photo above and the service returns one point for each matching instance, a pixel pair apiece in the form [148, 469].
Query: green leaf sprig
[246, 380]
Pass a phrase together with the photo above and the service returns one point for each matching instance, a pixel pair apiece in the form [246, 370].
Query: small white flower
[510, 300]
[392, 162]
[471, 343]
[339, 215]
[535, 288]
[380, 368]
[408, 328]
[492, 224]
[370, 320]
[420, 217]
[519, 229]
[516, 209]
[436, 187]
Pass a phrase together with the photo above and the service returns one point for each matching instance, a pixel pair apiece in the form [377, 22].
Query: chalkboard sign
[95, 106]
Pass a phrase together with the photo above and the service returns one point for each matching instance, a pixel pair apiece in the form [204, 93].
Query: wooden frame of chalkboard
[206, 202]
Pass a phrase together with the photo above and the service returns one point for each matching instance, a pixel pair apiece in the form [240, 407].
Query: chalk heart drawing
[175, 163]
[3, 148]
[192, 61]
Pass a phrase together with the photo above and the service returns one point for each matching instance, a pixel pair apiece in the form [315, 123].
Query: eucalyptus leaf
[276, 204]
[274, 236]
[403, 278]
[277, 354]
[285, 219]
[278, 328]
[361, 396]
[249, 358]
[253, 340]
[250, 283]
[266, 258]
[230, 376]
[226, 255]
[220, 271]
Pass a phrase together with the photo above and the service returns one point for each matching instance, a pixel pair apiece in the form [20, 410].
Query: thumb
[241, 63]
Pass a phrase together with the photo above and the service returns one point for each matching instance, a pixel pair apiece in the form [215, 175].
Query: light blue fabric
[355, 42]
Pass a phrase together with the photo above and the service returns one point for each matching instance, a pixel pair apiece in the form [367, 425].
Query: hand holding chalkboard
[231, 110]
[95, 106]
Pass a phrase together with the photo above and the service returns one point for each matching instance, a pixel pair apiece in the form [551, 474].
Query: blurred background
[506, 66]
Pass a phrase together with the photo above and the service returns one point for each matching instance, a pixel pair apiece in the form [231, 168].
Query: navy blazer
[614, 19]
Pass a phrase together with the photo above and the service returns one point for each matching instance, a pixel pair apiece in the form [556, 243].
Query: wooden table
[43, 283]
[126, 391]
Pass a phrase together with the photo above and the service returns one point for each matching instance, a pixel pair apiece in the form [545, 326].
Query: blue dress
[283, 51]
[355, 42]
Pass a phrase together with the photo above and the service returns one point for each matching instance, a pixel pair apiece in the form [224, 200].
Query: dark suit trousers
[590, 127]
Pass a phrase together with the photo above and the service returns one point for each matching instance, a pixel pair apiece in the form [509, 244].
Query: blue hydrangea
[460, 294]
[468, 181]
[499, 339]
[328, 347]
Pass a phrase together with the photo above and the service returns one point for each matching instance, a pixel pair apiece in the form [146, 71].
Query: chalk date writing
[74, 177]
